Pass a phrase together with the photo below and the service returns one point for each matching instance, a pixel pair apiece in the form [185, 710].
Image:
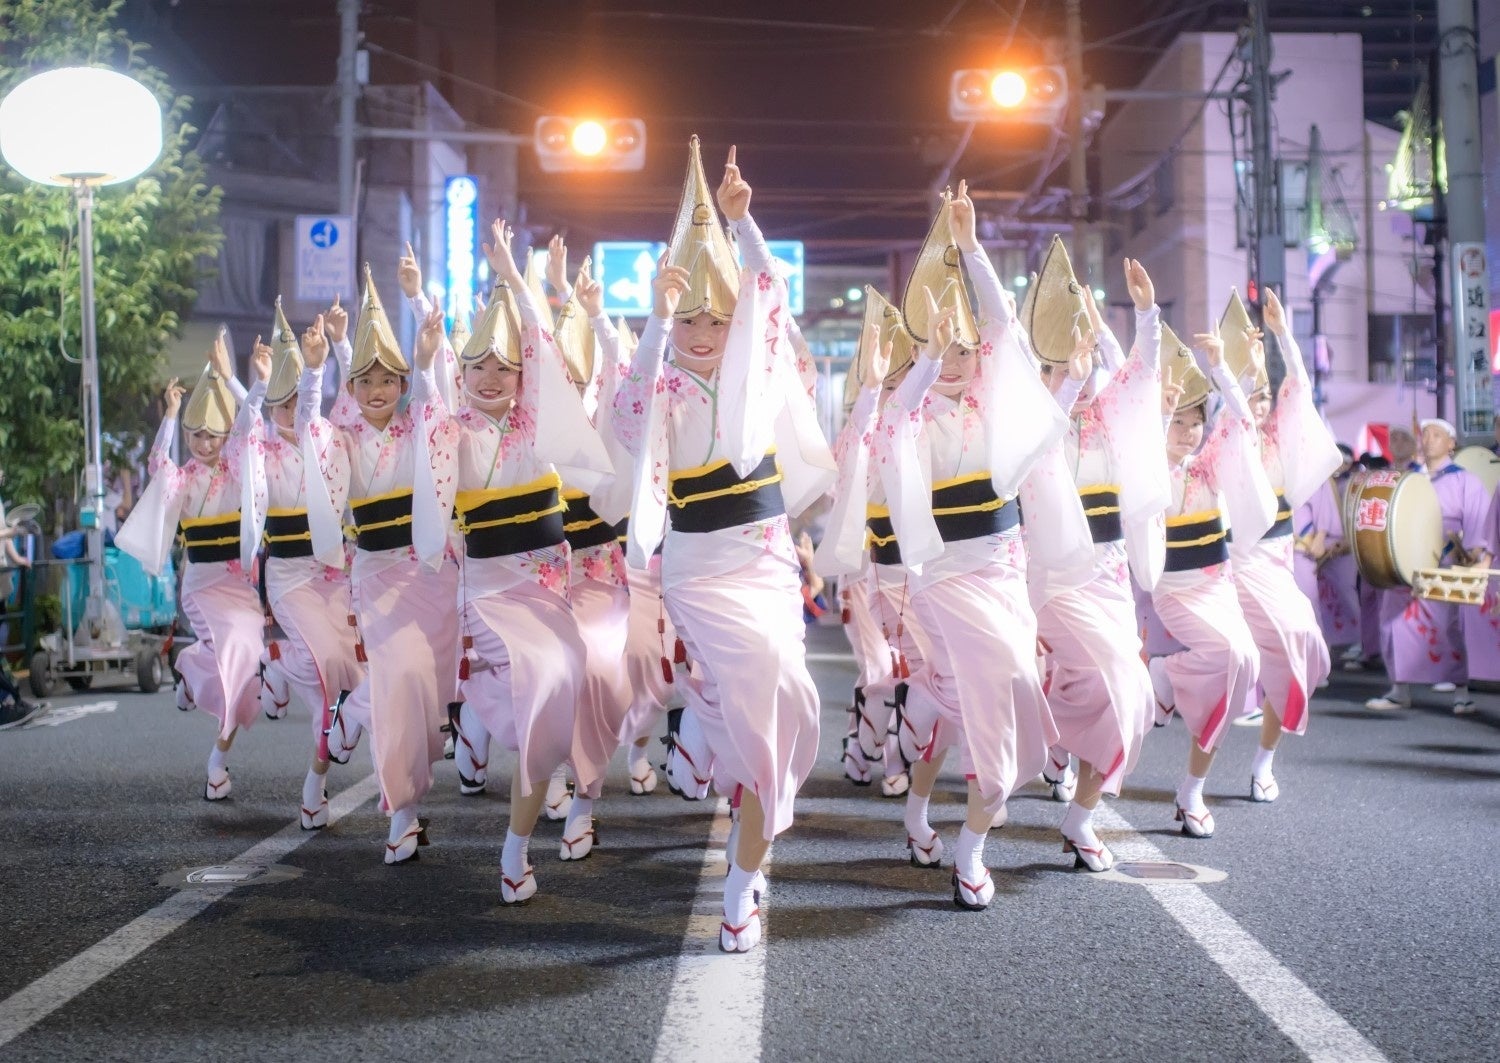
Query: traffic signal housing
[1030, 94]
[566, 143]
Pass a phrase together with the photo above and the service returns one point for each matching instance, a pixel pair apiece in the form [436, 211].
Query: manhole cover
[1161, 873]
[229, 875]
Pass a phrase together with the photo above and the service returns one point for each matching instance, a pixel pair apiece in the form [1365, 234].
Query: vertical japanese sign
[1471, 341]
[460, 227]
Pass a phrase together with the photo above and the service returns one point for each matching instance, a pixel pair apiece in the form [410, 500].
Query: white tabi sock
[1190, 794]
[968, 854]
[583, 808]
[216, 757]
[739, 894]
[1260, 767]
[1078, 822]
[513, 859]
[401, 822]
[312, 791]
[916, 817]
[639, 762]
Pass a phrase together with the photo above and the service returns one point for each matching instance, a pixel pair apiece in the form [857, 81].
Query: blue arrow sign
[625, 268]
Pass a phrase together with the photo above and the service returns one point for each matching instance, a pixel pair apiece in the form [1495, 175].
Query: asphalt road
[1358, 913]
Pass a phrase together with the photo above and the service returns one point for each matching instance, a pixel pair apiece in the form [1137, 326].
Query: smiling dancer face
[490, 385]
[959, 366]
[699, 342]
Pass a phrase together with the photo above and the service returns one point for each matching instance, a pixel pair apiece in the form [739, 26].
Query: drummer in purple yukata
[1423, 641]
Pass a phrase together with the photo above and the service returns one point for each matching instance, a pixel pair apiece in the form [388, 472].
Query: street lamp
[79, 127]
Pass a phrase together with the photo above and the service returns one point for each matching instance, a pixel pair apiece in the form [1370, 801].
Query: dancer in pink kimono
[403, 590]
[522, 676]
[205, 499]
[1195, 597]
[598, 584]
[961, 434]
[1424, 641]
[860, 550]
[1097, 687]
[308, 595]
[728, 445]
[1299, 455]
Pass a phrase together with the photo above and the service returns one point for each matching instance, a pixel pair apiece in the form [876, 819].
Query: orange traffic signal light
[569, 143]
[1035, 94]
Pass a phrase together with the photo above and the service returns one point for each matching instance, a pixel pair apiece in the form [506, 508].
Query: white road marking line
[33, 1003]
[61, 714]
[830, 658]
[716, 1000]
[1307, 1021]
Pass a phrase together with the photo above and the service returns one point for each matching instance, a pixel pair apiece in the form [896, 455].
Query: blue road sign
[625, 268]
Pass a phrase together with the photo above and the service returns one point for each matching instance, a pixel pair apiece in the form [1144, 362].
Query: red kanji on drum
[1372, 514]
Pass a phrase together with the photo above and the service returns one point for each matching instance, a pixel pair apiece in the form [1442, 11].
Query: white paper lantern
[80, 123]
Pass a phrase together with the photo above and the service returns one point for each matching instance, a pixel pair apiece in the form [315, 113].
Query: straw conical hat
[1233, 328]
[536, 273]
[286, 360]
[628, 341]
[498, 331]
[882, 313]
[939, 267]
[458, 335]
[700, 246]
[374, 339]
[211, 407]
[1178, 366]
[1055, 305]
[574, 335]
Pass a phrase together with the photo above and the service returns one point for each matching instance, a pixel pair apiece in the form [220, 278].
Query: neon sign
[461, 225]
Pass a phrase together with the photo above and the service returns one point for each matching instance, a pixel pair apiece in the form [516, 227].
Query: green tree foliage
[150, 237]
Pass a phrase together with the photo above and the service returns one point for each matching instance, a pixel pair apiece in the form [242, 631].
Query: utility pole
[348, 99]
[1268, 246]
[1468, 267]
[1315, 225]
[1078, 175]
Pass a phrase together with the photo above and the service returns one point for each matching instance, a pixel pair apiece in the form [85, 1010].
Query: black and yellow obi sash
[966, 507]
[211, 539]
[1101, 505]
[1196, 540]
[712, 496]
[512, 520]
[1283, 525]
[880, 536]
[287, 533]
[583, 527]
[382, 522]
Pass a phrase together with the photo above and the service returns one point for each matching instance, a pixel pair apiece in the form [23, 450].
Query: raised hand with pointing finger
[669, 285]
[409, 274]
[260, 360]
[502, 260]
[589, 292]
[429, 338]
[1212, 346]
[315, 343]
[338, 321]
[557, 264]
[734, 190]
[962, 217]
[173, 397]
